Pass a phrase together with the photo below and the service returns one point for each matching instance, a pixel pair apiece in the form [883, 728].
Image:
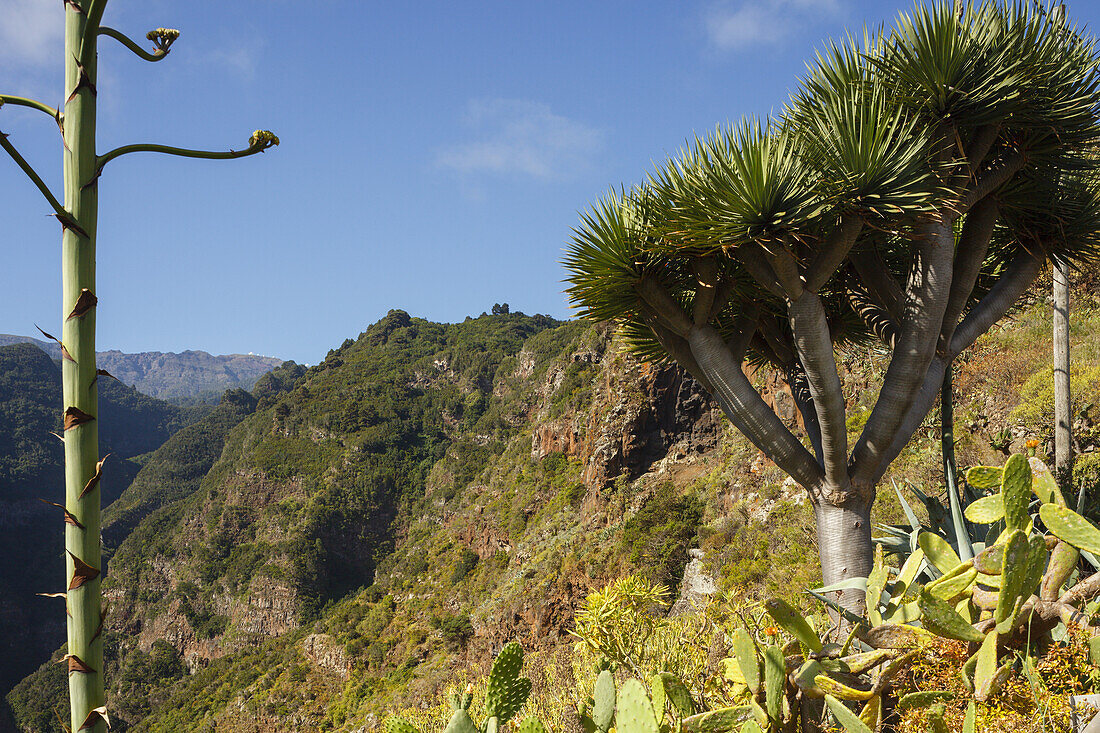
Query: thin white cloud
[736, 26]
[520, 137]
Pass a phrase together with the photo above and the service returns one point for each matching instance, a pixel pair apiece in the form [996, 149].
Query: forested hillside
[374, 528]
[133, 424]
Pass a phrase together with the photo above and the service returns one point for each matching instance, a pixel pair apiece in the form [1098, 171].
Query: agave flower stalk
[77, 210]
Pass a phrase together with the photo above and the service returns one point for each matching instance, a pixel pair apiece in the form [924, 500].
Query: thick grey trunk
[844, 545]
[1063, 432]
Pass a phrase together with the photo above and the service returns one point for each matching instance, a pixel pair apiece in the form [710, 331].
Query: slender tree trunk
[82, 496]
[844, 545]
[1063, 430]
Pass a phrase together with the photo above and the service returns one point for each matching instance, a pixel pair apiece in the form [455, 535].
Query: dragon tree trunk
[82, 496]
[844, 546]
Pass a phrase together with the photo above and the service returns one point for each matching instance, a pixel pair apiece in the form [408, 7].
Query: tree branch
[836, 247]
[32, 103]
[260, 141]
[786, 273]
[971, 252]
[916, 414]
[815, 352]
[126, 41]
[755, 260]
[926, 300]
[998, 174]
[880, 284]
[803, 400]
[35, 178]
[706, 275]
[1002, 296]
[666, 308]
[676, 347]
[980, 145]
[748, 412]
[1083, 590]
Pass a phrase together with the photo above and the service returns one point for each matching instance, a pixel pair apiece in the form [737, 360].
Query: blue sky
[434, 156]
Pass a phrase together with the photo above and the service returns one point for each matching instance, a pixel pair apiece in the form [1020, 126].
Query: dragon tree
[907, 195]
[76, 208]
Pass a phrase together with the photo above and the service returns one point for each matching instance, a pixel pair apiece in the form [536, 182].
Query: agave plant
[77, 210]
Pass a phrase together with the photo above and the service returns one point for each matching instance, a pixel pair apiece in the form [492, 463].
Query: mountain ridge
[185, 377]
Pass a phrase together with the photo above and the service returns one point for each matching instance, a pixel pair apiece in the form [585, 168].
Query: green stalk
[950, 470]
[85, 642]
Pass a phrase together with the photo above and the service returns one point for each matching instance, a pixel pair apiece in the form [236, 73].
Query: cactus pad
[722, 720]
[984, 478]
[794, 623]
[634, 712]
[846, 717]
[507, 691]
[939, 553]
[1016, 490]
[531, 725]
[398, 725]
[603, 707]
[986, 510]
[1068, 525]
[775, 680]
[745, 651]
[676, 692]
[461, 722]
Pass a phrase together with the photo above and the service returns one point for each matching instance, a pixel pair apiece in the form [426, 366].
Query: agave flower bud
[163, 38]
[263, 139]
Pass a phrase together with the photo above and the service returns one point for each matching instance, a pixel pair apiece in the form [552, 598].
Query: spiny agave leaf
[986, 510]
[846, 717]
[69, 518]
[775, 679]
[76, 664]
[1068, 525]
[82, 572]
[984, 478]
[941, 554]
[897, 636]
[75, 417]
[941, 619]
[1016, 490]
[923, 699]
[793, 622]
[94, 480]
[747, 660]
[721, 720]
[530, 724]
[985, 666]
[1043, 483]
[634, 713]
[603, 698]
[840, 690]
[64, 352]
[94, 716]
[914, 523]
[84, 303]
[676, 692]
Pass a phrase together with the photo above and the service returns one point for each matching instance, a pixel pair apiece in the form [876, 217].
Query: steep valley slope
[372, 529]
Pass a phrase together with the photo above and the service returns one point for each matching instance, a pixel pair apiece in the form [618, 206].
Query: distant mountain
[187, 377]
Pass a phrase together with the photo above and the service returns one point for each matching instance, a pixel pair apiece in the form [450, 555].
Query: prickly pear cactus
[507, 690]
[633, 710]
[603, 707]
